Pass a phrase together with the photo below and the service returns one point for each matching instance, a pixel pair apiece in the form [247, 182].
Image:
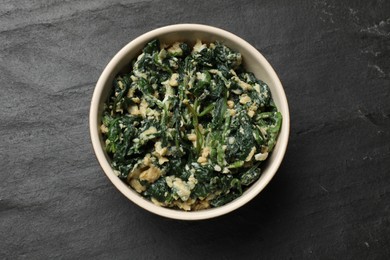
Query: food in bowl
[188, 127]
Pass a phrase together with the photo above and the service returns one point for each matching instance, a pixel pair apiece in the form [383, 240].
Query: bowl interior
[253, 62]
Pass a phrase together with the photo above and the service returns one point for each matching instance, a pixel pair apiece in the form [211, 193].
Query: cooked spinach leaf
[188, 127]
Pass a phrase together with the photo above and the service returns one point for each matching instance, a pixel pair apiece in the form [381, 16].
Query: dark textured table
[329, 199]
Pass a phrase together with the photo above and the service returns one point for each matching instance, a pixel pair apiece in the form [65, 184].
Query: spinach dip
[188, 127]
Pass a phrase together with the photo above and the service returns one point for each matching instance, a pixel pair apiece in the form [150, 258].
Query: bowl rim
[256, 188]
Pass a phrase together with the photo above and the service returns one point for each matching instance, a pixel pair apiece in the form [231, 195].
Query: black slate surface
[330, 198]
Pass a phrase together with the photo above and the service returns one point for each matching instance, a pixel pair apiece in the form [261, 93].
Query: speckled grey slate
[330, 198]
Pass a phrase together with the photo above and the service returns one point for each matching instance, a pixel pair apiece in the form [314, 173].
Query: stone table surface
[329, 199]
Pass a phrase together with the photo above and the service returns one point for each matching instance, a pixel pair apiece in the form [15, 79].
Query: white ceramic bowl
[253, 61]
